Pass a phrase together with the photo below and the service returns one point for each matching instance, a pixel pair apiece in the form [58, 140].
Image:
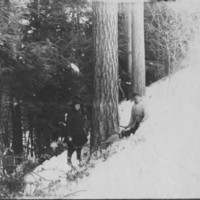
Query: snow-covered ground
[162, 160]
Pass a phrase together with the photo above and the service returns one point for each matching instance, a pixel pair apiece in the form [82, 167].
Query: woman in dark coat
[76, 136]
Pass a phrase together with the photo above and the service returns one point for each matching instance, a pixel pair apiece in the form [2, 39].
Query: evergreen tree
[9, 40]
[55, 37]
[105, 119]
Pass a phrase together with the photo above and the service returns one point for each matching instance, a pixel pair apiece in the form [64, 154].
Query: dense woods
[54, 51]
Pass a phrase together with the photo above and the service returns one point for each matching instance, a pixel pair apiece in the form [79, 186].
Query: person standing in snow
[75, 134]
[138, 115]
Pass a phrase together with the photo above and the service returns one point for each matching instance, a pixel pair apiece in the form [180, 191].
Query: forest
[53, 51]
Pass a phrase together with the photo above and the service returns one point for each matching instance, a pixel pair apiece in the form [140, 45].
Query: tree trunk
[31, 138]
[38, 7]
[17, 144]
[1, 160]
[138, 50]
[105, 121]
[128, 33]
[5, 119]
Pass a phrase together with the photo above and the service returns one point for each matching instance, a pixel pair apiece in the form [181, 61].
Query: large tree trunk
[105, 121]
[138, 51]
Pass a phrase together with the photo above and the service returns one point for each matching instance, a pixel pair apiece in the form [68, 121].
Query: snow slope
[162, 160]
[166, 164]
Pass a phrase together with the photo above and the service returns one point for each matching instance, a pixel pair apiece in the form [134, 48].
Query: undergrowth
[11, 185]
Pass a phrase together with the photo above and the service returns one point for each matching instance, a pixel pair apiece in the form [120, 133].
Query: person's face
[137, 99]
[77, 106]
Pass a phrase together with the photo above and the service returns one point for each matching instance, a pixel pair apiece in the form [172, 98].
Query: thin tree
[128, 35]
[17, 143]
[9, 39]
[6, 61]
[5, 119]
[105, 120]
[138, 50]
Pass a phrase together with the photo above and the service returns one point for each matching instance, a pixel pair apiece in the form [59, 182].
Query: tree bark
[5, 118]
[128, 35]
[138, 50]
[105, 120]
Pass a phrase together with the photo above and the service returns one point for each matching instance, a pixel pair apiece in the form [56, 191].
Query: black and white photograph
[99, 99]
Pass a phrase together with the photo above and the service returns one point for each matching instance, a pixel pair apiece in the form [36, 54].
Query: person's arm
[68, 126]
[145, 114]
[131, 118]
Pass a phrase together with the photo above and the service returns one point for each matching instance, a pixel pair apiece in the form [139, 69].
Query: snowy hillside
[161, 160]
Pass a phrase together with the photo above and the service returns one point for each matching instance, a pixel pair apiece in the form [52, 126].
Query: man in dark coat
[76, 136]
